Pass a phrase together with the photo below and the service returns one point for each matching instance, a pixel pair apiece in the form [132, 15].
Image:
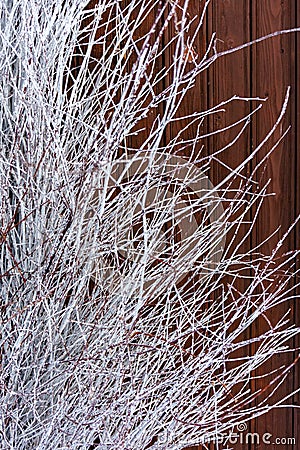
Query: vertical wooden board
[196, 99]
[230, 76]
[272, 74]
[296, 143]
[203, 94]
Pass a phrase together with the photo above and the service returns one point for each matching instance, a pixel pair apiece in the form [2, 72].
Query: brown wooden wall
[265, 70]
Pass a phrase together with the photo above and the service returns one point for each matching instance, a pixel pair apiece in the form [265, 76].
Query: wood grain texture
[196, 100]
[296, 145]
[265, 70]
[228, 77]
[272, 73]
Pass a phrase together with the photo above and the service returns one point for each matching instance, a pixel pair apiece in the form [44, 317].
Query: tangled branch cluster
[116, 322]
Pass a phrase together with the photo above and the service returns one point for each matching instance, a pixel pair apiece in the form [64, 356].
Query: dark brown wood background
[266, 70]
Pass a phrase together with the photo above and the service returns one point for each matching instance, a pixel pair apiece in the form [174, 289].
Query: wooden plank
[230, 20]
[227, 77]
[271, 75]
[197, 98]
[296, 143]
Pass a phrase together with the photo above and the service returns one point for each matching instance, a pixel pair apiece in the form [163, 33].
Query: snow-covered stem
[121, 309]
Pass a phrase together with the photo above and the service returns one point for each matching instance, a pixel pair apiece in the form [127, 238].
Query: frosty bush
[116, 322]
